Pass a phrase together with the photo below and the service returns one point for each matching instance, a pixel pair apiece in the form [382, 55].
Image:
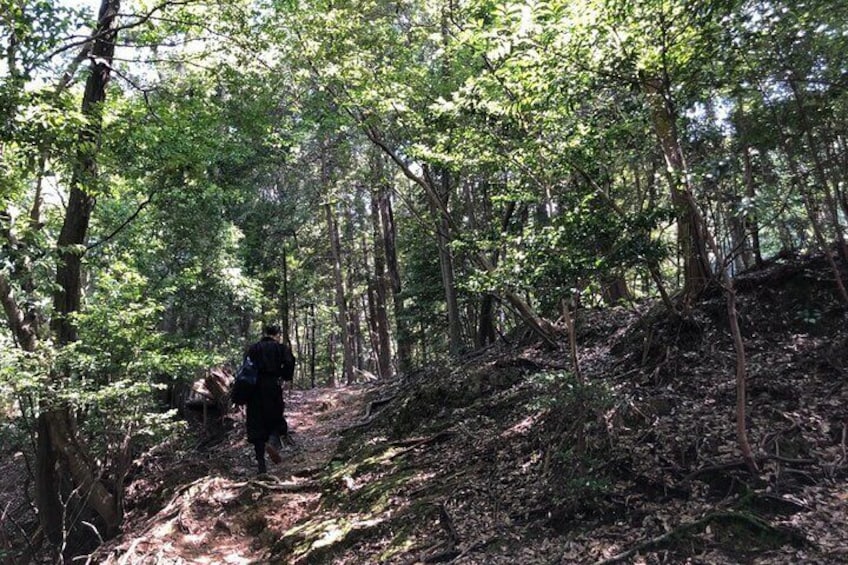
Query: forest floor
[505, 457]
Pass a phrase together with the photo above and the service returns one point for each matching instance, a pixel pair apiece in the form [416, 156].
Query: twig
[25, 535]
[711, 468]
[419, 441]
[376, 403]
[287, 487]
[447, 525]
[439, 556]
[130, 553]
[651, 543]
[474, 547]
[124, 224]
[742, 464]
[361, 424]
[96, 532]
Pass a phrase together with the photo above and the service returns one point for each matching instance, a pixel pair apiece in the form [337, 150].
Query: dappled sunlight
[523, 427]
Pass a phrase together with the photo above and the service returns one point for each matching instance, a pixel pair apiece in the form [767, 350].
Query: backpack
[245, 382]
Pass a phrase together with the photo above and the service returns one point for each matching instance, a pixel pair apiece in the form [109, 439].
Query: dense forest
[398, 184]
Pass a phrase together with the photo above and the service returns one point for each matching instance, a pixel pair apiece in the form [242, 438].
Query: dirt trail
[228, 514]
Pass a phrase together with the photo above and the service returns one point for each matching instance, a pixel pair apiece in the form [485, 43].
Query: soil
[217, 508]
[510, 456]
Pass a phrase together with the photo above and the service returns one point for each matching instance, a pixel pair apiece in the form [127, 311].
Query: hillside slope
[505, 458]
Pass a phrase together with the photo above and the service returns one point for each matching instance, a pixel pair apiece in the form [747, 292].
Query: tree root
[750, 521]
[741, 465]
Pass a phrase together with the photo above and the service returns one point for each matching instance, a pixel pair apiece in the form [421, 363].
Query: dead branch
[741, 465]
[377, 403]
[280, 486]
[364, 423]
[751, 521]
[419, 441]
[447, 525]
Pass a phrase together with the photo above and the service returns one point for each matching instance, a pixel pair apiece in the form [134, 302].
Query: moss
[319, 542]
[402, 541]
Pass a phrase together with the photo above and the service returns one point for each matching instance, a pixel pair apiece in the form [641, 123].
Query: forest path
[229, 514]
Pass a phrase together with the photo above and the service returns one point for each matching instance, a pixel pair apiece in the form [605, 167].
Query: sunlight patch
[236, 559]
[334, 532]
[522, 427]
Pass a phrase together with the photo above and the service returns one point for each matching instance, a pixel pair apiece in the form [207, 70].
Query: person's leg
[273, 446]
[259, 450]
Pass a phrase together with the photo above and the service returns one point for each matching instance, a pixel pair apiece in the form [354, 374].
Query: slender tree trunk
[384, 343]
[331, 354]
[447, 269]
[486, 325]
[541, 327]
[341, 296]
[694, 237]
[368, 305]
[751, 218]
[298, 337]
[821, 176]
[23, 323]
[312, 345]
[284, 299]
[402, 332]
[690, 236]
[831, 143]
[818, 232]
[354, 332]
[57, 430]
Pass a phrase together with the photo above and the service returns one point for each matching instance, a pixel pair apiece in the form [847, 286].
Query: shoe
[273, 453]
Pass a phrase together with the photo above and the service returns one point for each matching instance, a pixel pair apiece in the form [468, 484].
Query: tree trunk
[751, 222]
[693, 238]
[341, 297]
[821, 176]
[447, 268]
[56, 438]
[542, 328]
[402, 332]
[615, 290]
[312, 345]
[284, 299]
[383, 341]
[22, 323]
[354, 331]
[690, 236]
[486, 326]
[818, 232]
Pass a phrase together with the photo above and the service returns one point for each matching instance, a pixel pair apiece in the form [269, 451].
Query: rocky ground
[509, 456]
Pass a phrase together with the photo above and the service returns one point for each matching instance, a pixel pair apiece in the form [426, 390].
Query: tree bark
[690, 236]
[284, 299]
[22, 323]
[402, 332]
[312, 345]
[381, 319]
[486, 326]
[446, 265]
[341, 296]
[57, 430]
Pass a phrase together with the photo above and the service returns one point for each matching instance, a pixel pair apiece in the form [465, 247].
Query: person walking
[266, 424]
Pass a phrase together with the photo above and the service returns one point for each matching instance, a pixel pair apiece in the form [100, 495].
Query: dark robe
[265, 406]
